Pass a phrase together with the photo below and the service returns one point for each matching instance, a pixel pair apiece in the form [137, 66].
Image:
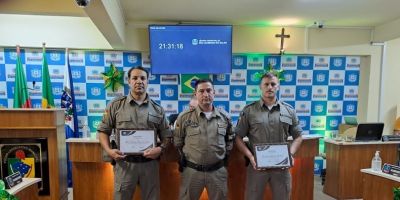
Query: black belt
[137, 159]
[205, 168]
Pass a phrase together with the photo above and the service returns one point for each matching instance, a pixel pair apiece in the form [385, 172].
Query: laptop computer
[369, 131]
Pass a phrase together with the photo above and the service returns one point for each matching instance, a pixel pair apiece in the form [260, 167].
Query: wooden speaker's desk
[344, 160]
[93, 178]
[378, 185]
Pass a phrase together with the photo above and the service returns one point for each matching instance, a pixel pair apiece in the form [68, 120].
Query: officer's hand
[116, 154]
[253, 162]
[152, 153]
[292, 158]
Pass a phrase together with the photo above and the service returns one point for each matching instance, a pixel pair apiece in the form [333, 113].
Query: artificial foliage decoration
[4, 195]
[113, 79]
[278, 73]
[396, 193]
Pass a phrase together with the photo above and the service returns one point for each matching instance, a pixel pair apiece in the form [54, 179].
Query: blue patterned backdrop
[322, 89]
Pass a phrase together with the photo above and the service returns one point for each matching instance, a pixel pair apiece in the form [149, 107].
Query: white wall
[391, 83]
[61, 32]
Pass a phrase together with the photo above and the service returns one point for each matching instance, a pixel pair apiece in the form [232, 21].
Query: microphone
[33, 86]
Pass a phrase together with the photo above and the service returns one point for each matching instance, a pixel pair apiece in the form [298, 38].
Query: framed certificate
[135, 142]
[270, 156]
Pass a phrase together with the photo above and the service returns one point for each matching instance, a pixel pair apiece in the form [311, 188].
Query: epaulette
[287, 105]
[250, 104]
[224, 113]
[118, 99]
[185, 112]
[247, 107]
[155, 103]
[158, 106]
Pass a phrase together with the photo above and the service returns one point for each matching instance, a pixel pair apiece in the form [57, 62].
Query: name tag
[13, 180]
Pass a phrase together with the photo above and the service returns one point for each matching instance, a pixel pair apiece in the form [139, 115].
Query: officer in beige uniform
[204, 138]
[135, 111]
[267, 121]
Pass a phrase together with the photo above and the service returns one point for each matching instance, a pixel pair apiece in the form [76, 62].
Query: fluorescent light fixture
[285, 21]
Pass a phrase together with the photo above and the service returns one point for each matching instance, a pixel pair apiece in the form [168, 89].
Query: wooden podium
[344, 160]
[88, 167]
[27, 190]
[378, 185]
[25, 124]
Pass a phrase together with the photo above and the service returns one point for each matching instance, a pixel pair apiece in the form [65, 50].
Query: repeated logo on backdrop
[322, 89]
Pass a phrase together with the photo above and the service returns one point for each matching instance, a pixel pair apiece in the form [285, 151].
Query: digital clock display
[167, 46]
[190, 49]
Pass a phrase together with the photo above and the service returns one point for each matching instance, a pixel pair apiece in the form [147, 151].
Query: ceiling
[301, 13]
[343, 13]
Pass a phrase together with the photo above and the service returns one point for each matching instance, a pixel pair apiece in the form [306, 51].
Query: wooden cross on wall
[282, 36]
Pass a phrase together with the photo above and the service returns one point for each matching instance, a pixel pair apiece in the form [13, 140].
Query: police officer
[204, 138]
[268, 120]
[135, 111]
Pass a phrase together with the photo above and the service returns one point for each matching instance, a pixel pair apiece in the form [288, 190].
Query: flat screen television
[190, 49]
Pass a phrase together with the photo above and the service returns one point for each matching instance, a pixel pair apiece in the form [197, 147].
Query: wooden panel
[308, 149]
[332, 170]
[101, 173]
[29, 193]
[31, 118]
[169, 180]
[35, 123]
[236, 175]
[376, 187]
[303, 178]
[92, 181]
[85, 152]
[344, 162]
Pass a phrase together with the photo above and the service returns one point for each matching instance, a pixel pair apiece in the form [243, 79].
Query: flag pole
[47, 93]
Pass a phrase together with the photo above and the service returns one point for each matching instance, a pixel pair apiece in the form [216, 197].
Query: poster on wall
[322, 88]
[27, 156]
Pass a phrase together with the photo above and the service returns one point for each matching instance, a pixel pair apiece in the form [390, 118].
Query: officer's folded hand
[116, 154]
[152, 153]
[253, 162]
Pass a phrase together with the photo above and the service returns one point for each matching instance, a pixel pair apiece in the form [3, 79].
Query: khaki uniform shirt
[204, 141]
[125, 113]
[262, 125]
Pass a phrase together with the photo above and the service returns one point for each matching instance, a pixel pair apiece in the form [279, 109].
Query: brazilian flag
[188, 81]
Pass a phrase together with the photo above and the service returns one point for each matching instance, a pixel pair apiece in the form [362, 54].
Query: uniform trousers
[128, 174]
[278, 179]
[193, 183]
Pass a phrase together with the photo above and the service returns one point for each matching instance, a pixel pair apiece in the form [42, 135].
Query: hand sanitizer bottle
[376, 163]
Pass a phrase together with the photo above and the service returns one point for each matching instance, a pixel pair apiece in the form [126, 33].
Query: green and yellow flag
[47, 92]
[21, 95]
[188, 81]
